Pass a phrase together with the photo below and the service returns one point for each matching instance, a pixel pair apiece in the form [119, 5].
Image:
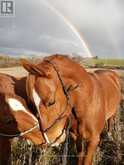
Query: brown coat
[96, 98]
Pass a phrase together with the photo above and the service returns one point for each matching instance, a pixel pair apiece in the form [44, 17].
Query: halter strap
[68, 103]
[21, 133]
[62, 82]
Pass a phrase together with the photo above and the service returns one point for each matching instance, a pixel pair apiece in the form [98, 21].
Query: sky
[37, 27]
[100, 22]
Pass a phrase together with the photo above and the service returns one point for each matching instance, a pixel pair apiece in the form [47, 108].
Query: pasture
[109, 152]
[108, 62]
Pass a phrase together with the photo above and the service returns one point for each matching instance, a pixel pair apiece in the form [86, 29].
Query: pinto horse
[94, 97]
[15, 118]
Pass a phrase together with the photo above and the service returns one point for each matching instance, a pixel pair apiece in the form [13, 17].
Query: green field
[108, 62]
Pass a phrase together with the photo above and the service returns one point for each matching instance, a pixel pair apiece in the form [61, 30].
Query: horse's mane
[65, 59]
[67, 66]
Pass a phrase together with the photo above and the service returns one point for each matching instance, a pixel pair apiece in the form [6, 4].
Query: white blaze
[16, 105]
[36, 98]
[37, 101]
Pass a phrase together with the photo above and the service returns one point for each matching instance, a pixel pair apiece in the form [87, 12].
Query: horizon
[44, 54]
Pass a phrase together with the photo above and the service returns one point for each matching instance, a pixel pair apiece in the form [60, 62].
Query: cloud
[99, 21]
[37, 27]
[88, 13]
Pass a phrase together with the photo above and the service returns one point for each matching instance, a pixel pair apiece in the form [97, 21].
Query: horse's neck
[20, 87]
[72, 70]
[75, 75]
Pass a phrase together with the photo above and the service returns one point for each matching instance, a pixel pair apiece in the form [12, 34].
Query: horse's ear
[26, 64]
[32, 68]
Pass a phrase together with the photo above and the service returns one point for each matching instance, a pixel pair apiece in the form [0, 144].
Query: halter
[21, 133]
[61, 115]
[62, 82]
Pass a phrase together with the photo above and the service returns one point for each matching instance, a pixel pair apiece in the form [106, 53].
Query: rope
[21, 133]
[69, 119]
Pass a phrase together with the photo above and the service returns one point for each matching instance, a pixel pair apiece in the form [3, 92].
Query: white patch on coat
[37, 101]
[60, 140]
[36, 98]
[16, 105]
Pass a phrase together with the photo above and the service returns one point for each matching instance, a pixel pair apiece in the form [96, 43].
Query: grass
[100, 62]
[9, 61]
[108, 62]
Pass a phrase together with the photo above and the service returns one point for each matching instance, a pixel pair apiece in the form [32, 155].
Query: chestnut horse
[15, 118]
[94, 97]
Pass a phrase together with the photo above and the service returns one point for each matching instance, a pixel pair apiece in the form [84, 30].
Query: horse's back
[6, 83]
[111, 75]
[12, 85]
[111, 88]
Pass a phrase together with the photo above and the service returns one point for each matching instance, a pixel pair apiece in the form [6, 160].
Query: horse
[16, 119]
[58, 108]
[93, 99]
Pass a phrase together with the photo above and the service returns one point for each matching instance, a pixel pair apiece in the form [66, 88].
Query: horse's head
[17, 120]
[45, 90]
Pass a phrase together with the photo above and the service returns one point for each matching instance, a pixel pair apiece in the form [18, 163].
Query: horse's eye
[51, 103]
